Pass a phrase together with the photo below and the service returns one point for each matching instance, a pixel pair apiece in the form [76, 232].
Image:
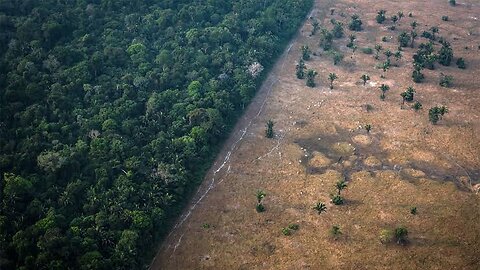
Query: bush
[356, 23]
[445, 80]
[384, 39]
[401, 235]
[337, 200]
[335, 232]
[461, 63]
[452, 2]
[413, 210]
[260, 208]
[269, 130]
[417, 75]
[445, 18]
[436, 113]
[294, 227]
[386, 236]
[286, 231]
[417, 106]
[381, 16]
[367, 50]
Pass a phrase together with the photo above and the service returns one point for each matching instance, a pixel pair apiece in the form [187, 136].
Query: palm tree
[269, 131]
[388, 54]
[398, 56]
[340, 185]
[395, 19]
[260, 194]
[311, 77]
[320, 207]
[385, 67]
[332, 77]
[384, 88]
[365, 78]
[401, 234]
[300, 69]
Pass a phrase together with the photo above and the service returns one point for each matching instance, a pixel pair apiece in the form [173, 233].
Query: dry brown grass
[403, 162]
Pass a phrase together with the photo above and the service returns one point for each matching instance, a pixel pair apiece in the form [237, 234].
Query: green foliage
[413, 210]
[260, 208]
[436, 113]
[384, 88]
[332, 77]
[417, 105]
[378, 49]
[461, 63]
[260, 195]
[355, 23]
[111, 112]
[386, 236]
[445, 18]
[367, 50]
[384, 39]
[417, 75]
[300, 69]
[311, 74]
[294, 227]
[408, 94]
[337, 30]
[404, 39]
[335, 232]
[337, 199]
[445, 80]
[269, 133]
[368, 127]
[306, 53]
[337, 58]
[320, 207]
[286, 231]
[380, 18]
[445, 55]
[365, 78]
[452, 2]
[401, 235]
[394, 19]
[326, 39]
[351, 39]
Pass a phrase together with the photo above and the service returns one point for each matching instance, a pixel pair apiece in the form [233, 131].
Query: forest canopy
[110, 112]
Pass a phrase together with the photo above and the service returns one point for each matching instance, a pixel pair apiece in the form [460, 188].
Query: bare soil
[404, 161]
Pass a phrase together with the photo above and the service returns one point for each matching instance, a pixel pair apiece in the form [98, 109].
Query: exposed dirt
[404, 161]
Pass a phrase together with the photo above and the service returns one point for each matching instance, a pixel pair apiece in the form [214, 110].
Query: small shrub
[320, 207]
[386, 236]
[436, 113]
[369, 108]
[356, 23]
[367, 50]
[401, 235]
[461, 63]
[452, 2]
[445, 80]
[206, 226]
[392, 27]
[260, 208]
[445, 18]
[368, 127]
[413, 210]
[269, 130]
[286, 231]
[381, 16]
[335, 232]
[417, 106]
[294, 227]
[384, 39]
[337, 58]
[337, 200]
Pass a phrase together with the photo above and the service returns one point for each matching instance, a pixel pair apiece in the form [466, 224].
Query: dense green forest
[110, 111]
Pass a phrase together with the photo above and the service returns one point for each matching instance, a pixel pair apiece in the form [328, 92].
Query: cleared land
[404, 161]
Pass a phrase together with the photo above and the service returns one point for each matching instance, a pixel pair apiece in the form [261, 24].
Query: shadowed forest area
[110, 114]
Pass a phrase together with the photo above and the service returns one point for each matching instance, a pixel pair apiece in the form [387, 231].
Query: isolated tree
[368, 127]
[335, 232]
[306, 53]
[388, 54]
[436, 113]
[355, 23]
[461, 63]
[385, 66]
[378, 48]
[401, 235]
[408, 95]
[404, 39]
[384, 88]
[260, 195]
[269, 129]
[320, 207]
[381, 16]
[300, 69]
[400, 15]
[394, 19]
[332, 77]
[311, 77]
[340, 185]
[365, 78]
[414, 25]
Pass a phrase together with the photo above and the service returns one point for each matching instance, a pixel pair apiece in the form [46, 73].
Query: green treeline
[110, 112]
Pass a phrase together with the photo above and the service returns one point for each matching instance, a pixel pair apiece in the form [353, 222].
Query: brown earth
[403, 162]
